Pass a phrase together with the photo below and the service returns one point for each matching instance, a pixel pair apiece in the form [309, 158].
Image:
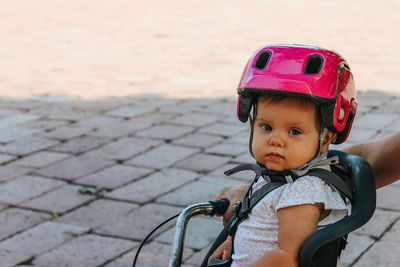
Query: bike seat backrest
[323, 247]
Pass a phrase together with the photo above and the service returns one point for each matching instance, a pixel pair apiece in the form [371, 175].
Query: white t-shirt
[258, 234]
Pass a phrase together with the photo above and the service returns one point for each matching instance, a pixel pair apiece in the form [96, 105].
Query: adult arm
[383, 156]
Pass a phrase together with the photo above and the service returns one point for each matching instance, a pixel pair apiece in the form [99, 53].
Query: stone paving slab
[13, 133]
[75, 167]
[3, 206]
[200, 233]
[125, 148]
[9, 172]
[375, 120]
[97, 213]
[14, 220]
[379, 223]
[150, 187]
[115, 176]
[198, 140]
[387, 197]
[198, 191]
[241, 138]
[129, 112]
[246, 176]
[165, 132]
[120, 129]
[163, 156]
[154, 254]
[41, 238]
[62, 112]
[381, 254]
[357, 245]
[227, 149]
[224, 129]
[244, 158]
[67, 132]
[203, 162]
[138, 223]
[25, 146]
[13, 120]
[193, 105]
[59, 201]
[394, 127]
[195, 119]
[102, 249]
[40, 159]
[45, 124]
[80, 145]
[26, 187]
[6, 158]
[4, 112]
[99, 121]
[10, 258]
[197, 258]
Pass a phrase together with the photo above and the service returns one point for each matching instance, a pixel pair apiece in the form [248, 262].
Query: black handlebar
[219, 206]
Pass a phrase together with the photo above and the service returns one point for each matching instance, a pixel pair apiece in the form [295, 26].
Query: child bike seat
[324, 247]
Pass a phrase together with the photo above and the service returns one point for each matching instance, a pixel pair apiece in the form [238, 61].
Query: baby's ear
[329, 138]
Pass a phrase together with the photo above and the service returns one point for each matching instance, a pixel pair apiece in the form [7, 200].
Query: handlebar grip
[219, 206]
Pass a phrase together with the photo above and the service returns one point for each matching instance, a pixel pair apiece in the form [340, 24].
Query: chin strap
[317, 162]
[288, 176]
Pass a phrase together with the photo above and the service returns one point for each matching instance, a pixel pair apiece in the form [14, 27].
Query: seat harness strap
[274, 180]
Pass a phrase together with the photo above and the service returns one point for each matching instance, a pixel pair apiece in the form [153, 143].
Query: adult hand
[223, 251]
[234, 195]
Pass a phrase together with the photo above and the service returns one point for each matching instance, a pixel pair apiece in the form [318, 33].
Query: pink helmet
[320, 74]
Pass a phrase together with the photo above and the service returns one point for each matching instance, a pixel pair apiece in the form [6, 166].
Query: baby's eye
[266, 127]
[295, 131]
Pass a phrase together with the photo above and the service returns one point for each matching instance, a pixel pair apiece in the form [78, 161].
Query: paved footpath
[115, 115]
[148, 158]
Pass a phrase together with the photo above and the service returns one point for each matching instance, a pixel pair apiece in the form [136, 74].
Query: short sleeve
[311, 190]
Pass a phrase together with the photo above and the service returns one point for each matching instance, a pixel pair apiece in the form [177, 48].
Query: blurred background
[92, 49]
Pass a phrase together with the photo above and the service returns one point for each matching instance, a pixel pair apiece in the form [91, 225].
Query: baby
[303, 100]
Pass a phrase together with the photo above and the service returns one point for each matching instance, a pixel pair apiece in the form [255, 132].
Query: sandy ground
[93, 49]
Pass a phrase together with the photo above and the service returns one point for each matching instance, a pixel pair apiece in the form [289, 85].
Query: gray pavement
[148, 158]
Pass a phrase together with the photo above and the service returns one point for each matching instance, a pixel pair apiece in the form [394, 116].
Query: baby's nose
[277, 140]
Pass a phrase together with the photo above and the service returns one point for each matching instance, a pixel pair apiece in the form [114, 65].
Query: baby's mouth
[275, 156]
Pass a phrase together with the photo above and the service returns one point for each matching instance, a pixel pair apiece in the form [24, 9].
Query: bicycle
[324, 247]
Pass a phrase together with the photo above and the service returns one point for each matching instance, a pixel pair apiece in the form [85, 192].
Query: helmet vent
[314, 64]
[262, 60]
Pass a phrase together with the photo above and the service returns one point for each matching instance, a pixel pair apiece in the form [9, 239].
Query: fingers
[223, 251]
[227, 216]
[218, 253]
[226, 254]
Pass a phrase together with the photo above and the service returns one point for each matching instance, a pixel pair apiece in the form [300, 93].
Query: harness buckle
[236, 208]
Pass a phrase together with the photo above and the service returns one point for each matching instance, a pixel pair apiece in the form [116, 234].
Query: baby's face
[285, 133]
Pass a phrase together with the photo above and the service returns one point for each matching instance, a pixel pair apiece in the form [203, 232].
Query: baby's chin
[276, 168]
